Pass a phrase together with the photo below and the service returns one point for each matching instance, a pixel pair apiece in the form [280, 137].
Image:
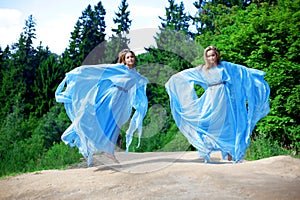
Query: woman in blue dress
[222, 119]
[99, 100]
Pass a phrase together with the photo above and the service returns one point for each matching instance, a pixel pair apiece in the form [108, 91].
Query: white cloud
[10, 17]
[56, 32]
[56, 20]
[145, 16]
[10, 26]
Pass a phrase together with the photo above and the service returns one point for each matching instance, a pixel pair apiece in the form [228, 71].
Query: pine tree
[89, 32]
[4, 60]
[176, 18]
[21, 73]
[18, 79]
[4, 80]
[174, 37]
[47, 78]
[118, 40]
[122, 20]
[72, 53]
[93, 30]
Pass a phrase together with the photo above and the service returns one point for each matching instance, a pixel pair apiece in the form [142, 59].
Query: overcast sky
[55, 19]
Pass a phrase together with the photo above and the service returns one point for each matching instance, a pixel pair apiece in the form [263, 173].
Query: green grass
[262, 147]
[59, 156]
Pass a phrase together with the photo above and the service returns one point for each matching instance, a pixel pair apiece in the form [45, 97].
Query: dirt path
[176, 175]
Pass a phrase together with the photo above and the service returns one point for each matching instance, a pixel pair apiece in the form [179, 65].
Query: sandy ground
[161, 175]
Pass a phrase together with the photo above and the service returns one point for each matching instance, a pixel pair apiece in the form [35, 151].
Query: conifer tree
[20, 74]
[122, 19]
[174, 37]
[176, 18]
[118, 40]
[4, 69]
[89, 32]
[18, 80]
[47, 78]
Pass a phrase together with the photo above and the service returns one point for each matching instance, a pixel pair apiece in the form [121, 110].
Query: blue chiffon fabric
[98, 100]
[235, 98]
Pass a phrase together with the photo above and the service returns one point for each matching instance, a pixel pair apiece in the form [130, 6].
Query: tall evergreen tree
[118, 40]
[122, 19]
[4, 60]
[4, 67]
[176, 18]
[196, 19]
[89, 32]
[21, 74]
[174, 37]
[93, 30]
[47, 78]
[71, 56]
[18, 80]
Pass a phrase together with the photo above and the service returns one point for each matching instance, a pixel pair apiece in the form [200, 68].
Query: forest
[259, 34]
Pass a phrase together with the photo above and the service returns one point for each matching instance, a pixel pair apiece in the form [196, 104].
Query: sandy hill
[161, 175]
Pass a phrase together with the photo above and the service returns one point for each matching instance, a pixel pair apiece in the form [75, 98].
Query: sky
[55, 19]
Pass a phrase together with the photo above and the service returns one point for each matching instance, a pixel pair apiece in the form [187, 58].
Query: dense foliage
[256, 34]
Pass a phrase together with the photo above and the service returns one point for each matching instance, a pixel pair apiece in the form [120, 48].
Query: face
[211, 57]
[130, 60]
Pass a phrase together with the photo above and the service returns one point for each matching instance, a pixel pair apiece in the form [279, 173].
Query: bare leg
[229, 157]
[113, 157]
[119, 141]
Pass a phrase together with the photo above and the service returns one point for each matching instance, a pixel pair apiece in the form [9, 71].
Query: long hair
[121, 56]
[212, 48]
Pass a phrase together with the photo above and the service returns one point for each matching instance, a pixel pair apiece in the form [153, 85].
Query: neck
[208, 66]
[130, 66]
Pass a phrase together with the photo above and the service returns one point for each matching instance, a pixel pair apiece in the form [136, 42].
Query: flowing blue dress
[98, 100]
[235, 98]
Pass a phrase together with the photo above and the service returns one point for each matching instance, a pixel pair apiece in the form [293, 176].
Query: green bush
[59, 156]
[262, 147]
[22, 156]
